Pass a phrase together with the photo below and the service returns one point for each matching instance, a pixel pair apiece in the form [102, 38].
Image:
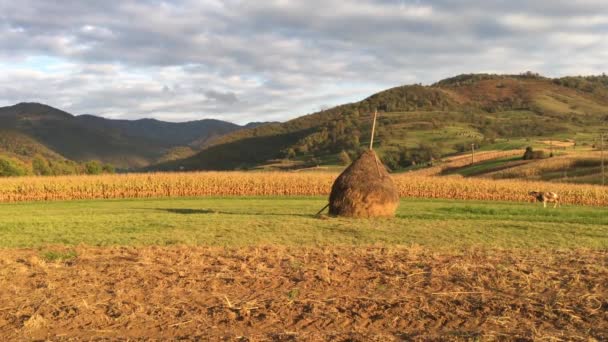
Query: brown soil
[279, 294]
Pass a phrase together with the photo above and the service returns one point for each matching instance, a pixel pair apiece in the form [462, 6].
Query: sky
[274, 60]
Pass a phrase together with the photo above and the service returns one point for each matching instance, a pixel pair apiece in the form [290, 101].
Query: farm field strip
[330, 293]
[151, 185]
[558, 163]
[264, 268]
[290, 221]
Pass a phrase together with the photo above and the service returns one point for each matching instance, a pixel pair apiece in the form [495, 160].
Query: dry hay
[364, 189]
[309, 294]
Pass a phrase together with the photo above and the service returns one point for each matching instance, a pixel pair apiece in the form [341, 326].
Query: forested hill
[31, 131]
[418, 123]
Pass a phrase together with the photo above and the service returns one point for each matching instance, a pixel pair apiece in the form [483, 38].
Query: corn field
[278, 184]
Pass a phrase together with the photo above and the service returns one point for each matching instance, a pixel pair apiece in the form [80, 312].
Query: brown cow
[545, 197]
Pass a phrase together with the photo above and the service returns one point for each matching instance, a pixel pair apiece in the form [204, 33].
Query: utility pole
[371, 141]
[472, 153]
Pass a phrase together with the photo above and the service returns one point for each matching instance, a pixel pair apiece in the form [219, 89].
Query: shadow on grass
[185, 211]
[188, 211]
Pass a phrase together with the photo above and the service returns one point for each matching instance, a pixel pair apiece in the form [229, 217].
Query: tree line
[39, 166]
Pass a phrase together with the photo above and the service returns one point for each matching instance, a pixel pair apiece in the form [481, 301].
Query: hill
[571, 166]
[167, 134]
[22, 147]
[418, 124]
[33, 129]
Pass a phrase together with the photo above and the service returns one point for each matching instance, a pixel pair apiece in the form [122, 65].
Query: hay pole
[320, 211]
[371, 140]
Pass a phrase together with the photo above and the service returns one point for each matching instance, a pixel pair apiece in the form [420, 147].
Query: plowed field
[313, 293]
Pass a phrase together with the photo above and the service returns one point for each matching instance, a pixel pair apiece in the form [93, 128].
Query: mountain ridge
[124, 143]
[421, 123]
[417, 124]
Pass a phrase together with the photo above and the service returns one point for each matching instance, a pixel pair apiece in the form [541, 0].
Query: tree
[303, 149]
[391, 159]
[344, 158]
[108, 168]
[489, 137]
[290, 154]
[428, 152]
[531, 154]
[41, 166]
[93, 167]
[405, 159]
[66, 167]
[9, 168]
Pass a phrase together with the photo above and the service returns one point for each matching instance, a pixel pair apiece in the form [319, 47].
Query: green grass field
[289, 221]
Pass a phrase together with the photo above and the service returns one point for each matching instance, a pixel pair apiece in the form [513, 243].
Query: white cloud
[526, 22]
[273, 60]
[576, 39]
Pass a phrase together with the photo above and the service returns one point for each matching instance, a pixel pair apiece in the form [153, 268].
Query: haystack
[364, 189]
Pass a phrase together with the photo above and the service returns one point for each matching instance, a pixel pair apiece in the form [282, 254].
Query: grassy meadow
[251, 221]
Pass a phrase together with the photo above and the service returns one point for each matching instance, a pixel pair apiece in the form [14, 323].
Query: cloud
[273, 60]
[226, 98]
